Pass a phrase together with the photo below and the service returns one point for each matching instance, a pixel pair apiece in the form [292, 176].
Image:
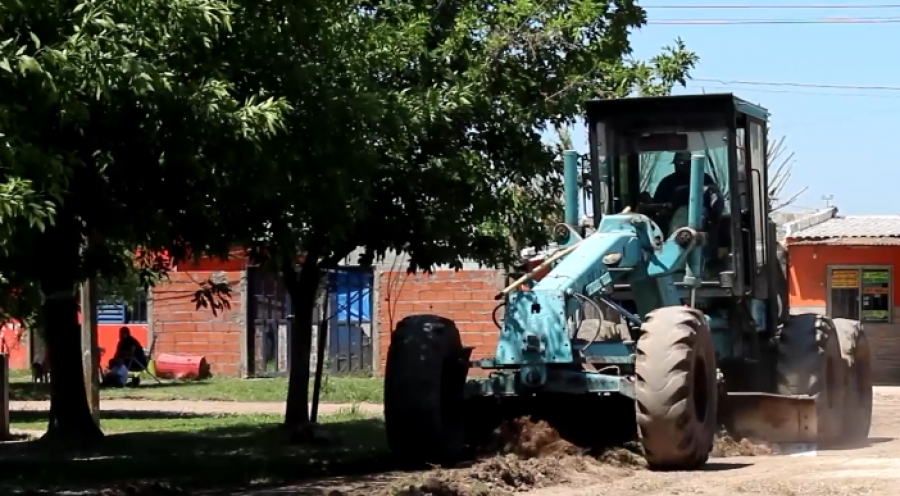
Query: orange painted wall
[16, 345]
[808, 269]
[107, 338]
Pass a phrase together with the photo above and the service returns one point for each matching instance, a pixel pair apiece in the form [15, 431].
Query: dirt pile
[628, 456]
[144, 489]
[525, 455]
[502, 474]
[726, 446]
[526, 438]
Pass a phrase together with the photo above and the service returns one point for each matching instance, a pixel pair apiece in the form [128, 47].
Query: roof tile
[853, 226]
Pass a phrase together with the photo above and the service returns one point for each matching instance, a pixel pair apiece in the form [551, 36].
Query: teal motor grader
[666, 320]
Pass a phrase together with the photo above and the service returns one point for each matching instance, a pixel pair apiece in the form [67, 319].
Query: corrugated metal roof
[850, 241]
[852, 226]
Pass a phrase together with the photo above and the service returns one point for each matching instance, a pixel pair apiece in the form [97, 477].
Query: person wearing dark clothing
[129, 351]
[681, 178]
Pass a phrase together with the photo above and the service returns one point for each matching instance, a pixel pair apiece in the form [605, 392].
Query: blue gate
[349, 309]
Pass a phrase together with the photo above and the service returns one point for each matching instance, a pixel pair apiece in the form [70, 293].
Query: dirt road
[872, 470]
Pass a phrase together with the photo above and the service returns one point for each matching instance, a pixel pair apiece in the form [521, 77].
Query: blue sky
[844, 139]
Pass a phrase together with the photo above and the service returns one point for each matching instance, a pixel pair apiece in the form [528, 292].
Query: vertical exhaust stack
[570, 185]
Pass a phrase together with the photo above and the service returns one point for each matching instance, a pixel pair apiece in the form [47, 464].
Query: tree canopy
[291, 128]
[416, 127]
[115, 128]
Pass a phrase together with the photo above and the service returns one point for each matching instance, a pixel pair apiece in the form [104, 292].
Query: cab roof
[717, 108]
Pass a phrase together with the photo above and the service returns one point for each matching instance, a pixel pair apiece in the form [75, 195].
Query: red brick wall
[466, 296]
[180, 328]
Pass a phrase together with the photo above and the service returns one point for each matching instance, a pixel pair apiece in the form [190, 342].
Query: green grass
[119, 421]
[335, 389]
[192, 451]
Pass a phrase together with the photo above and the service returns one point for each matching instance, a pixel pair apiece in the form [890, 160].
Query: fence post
[4, 397]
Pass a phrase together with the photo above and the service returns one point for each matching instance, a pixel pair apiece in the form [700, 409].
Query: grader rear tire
[675, 390]
[857, 417]
[423, 391]
[810, 363]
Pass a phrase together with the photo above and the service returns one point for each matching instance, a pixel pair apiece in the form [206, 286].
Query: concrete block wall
[177, 326]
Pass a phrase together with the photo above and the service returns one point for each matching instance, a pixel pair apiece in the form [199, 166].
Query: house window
[862, 293]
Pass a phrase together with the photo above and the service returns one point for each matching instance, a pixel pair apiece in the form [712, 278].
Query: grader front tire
[676, 389]
[423, 391]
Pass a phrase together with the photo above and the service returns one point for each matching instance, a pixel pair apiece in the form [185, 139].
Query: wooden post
[89, 347]
[4, 396]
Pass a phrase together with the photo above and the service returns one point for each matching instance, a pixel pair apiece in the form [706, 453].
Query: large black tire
[857, 418]
[424, 380]
[676, 392]
[810, 363]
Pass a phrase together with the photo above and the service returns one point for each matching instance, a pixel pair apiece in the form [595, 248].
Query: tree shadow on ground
[40, 391]
[31, 416]
[216, 457]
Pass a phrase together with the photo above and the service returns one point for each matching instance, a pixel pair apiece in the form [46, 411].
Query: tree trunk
[70, 420]
[303, 290]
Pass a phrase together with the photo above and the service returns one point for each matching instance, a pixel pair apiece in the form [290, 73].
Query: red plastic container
[181, 366]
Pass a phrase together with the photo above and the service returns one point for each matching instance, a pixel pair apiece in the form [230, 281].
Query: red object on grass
[181, 366]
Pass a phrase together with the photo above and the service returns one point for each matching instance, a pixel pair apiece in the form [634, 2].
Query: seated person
[129, 351]
[117, 375]
[681, 178]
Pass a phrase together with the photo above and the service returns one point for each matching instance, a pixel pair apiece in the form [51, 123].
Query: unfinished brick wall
[180, 328]
[466, 296]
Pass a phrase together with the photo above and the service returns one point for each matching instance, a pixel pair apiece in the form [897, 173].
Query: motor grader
[666, 320]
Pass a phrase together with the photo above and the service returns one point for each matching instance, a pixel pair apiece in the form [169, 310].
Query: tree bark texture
[303, 289]
[71, 421]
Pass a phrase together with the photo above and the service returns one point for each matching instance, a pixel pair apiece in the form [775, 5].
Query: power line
[773, 7]
[800, 85]
[726, 87]
[729, 22]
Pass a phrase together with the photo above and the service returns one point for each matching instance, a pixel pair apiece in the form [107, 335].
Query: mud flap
[770, 418]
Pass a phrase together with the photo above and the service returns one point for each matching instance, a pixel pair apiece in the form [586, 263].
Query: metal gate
[348, 307]
[268, 316]
[347, 304]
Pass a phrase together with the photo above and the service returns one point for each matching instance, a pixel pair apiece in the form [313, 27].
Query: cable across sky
[799, 85]
[882, 6]
[728, 22]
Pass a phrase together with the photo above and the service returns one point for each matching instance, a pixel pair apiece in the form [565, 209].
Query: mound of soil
[526, 438]
[499, 475]
[525, 454]
[439, 487]
[628, 456]
[726, 446]
[144, 489]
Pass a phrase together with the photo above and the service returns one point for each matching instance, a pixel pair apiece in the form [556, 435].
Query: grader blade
[771, 418]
